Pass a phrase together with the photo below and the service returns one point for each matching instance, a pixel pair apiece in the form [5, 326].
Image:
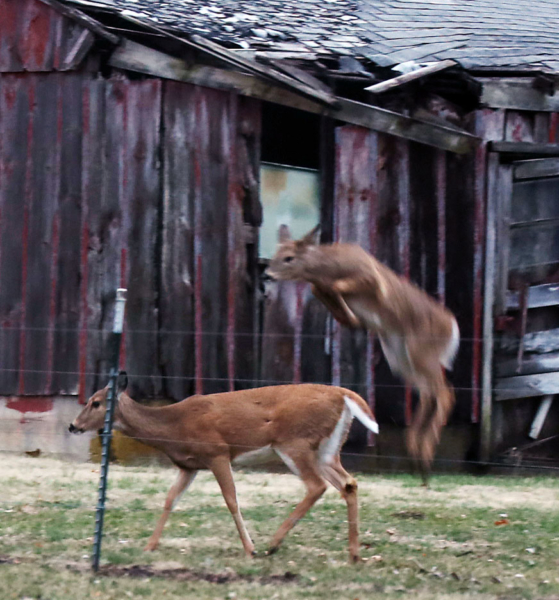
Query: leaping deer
[305, 425]
[418, 335]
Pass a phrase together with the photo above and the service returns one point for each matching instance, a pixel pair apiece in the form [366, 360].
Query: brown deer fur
[418, 335]
[305, 425]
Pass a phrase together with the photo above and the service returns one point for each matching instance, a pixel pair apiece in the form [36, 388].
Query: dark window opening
[290, 136]
[289, 174]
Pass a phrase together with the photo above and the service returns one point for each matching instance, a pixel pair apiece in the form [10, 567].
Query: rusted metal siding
[34, 37]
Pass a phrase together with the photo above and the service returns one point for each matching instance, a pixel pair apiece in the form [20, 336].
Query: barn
[159, 146]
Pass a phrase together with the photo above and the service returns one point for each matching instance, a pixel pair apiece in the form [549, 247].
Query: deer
[418, 335]
[305, 425]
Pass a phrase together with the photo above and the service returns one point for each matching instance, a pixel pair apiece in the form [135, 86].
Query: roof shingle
[479, 33]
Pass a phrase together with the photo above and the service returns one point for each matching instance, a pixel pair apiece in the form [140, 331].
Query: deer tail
[361, 411]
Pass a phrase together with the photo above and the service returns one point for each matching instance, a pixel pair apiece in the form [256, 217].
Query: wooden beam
[520, 148]
[79, 50]
[386, 121]
[141, 59]
[237, 61]
[84, 20]
[532, 364]
[538, 296]
[537, 167]
[486, 420]
[539, 342]
[390, 84]
[517, 94]
[527, 386]
[136, 57]
[539, 419]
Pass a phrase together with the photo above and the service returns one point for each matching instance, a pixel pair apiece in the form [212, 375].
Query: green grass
[437, 543]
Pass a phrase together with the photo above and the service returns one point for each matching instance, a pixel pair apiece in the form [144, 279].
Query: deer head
[92, 417]
[294, 258]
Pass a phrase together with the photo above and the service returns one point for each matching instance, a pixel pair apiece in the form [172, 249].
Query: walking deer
[419, 336]
[305, 425]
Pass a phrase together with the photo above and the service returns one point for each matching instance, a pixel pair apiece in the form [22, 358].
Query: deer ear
[121, 382]
[284, 235]
[312, 238]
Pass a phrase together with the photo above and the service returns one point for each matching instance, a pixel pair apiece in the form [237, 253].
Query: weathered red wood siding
[36, 38]
[96, 191]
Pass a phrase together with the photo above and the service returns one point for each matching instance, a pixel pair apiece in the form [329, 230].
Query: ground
[487, 537]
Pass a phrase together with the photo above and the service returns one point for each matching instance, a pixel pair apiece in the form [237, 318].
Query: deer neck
[145, 423]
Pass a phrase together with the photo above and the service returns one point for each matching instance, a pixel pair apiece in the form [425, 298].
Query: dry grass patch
[441, 543]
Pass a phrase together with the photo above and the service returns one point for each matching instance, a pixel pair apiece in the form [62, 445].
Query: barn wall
[143, 184]
[415, 208]
[36, 38]
[512, 419]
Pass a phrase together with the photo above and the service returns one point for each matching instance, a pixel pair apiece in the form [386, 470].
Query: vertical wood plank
[108, 231]
[355, 221]
[42, 235]
[211, 261]
[94, 229]
[553, 128]
[27, 200]
[440, 177]
[493, 191]
[140, 208]
[66, 338]
[245, 239]
[177, 258]
[15, 118]
[389, 391]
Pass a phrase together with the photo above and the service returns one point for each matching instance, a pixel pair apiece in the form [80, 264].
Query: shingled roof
[511, 34]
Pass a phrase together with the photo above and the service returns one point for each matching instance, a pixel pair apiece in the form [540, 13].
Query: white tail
[360, 415]
[305, 425]
[418, 335]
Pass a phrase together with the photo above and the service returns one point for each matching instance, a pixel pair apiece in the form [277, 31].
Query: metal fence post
[108, 426]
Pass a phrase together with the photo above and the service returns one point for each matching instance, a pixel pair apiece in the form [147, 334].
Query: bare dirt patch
[185, 574]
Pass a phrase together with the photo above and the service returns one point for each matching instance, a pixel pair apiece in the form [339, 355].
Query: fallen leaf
[390, 531]
[502, 522]
[495, 579]
[455, 576]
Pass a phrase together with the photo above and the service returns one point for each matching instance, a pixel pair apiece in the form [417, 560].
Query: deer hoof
[355, 558]
[150, 547]
[272, 550]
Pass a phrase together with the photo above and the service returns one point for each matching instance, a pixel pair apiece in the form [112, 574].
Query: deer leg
[337, 306]
[416, 432]
[304, 465]
[221, 468]
[444, 402]
[347, 486]
[184, 479]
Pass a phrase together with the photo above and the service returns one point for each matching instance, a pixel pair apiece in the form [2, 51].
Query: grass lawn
[445, 542]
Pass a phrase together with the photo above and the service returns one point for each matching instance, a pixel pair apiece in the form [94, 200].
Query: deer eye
[95, 404]
[288, 259]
